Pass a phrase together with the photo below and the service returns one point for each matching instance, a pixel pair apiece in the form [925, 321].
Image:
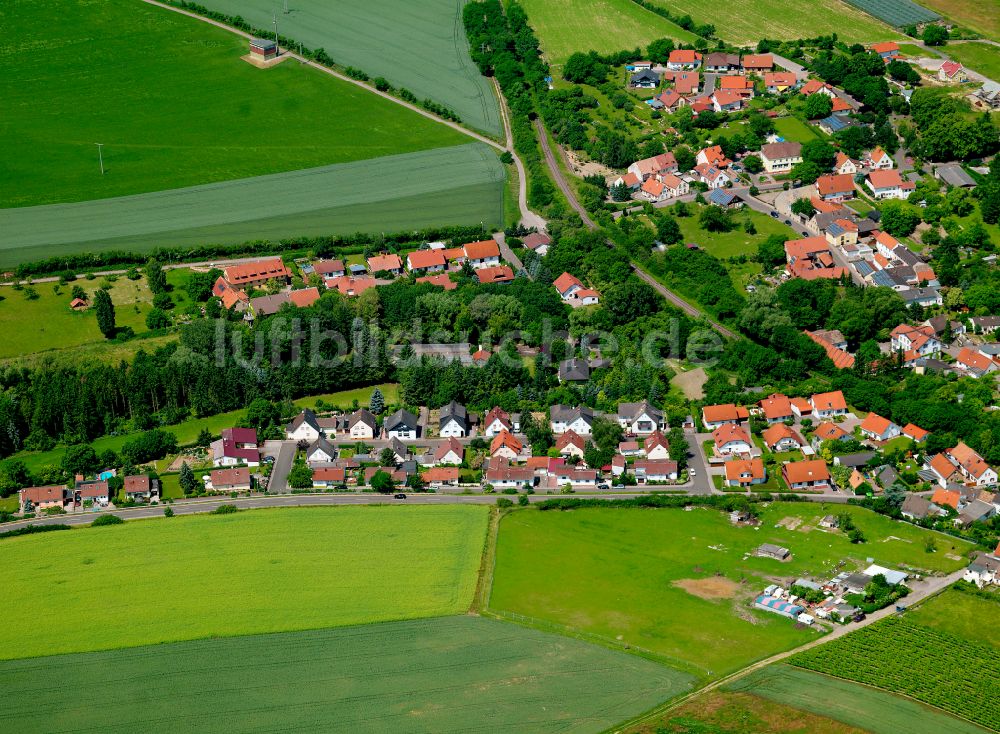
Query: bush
[32, 529]
[503, 503]
[225, 510]
[168, 511]
[106, 520]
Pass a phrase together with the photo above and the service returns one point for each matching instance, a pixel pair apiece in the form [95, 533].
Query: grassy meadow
[981, 57]
[254, 572]
[746, 21]
[436, 675]
[959, 614]
[456, 185]
[173, 104]
[55, 326]
[982, 17]
[566, 26]
[678, 583]
[866, 708]
[418, 45]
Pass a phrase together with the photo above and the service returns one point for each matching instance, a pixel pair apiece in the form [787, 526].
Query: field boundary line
[891, 693]
[484, 580]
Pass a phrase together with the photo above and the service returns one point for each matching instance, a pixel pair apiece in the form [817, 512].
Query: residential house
[574, 370]
[644, 79]
[320, 451]
[835, 187]
[731, 438]
[972, 466]
[778, 82]
[780, 437]
[745, 472]
[504, 476]
[237, 446]
[727, 100]
[654, 167]
[777, 408]
[449, 452]
[640, 418]
[724, 199]
[674, 186]
[985, 324]
[652, 471]
[828, 404]
[952, 71]
[537, 242]
[483, 254]
[507, 445]
[656, 446]
[683, 58]
[653, 190]
[95, 492]
[670, 100]
[806, 474]
[402, 425]
[571, 443]
[842, 233]
[228, 295]
[714, 178]
[984, 569]
[564, 418]
[140, 488]
[361, 424]
[712, 157]
[329, 268]
[567, 285]
[815, 86]
[878, 159]
[33, 499]
[758, 63]
[844, 165]
[630, 449]
[915, 433]
[495, 274]
[888, 50]
[720, 62]
[350, 286]
[810, 259]
[304, 427]
[975, 364]
[888, 184]
[426, 261]
[827, 431]
[987, 96]
[453, 421]
[442, 476]
[235, 479]
[327, 477]
[780, 157]
[388, 263]
[713, 416]
[916, 507]
[257, 273]
[878, 428]
[497, 420]
[835, 349]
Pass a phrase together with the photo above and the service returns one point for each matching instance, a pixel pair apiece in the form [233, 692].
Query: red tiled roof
[441, 279]
[827, 431]
[684, 56]
[814, 470]
[835, 183]
[566, 281]
[876, 424]
[482, 250]
[256, 271]
[304, 297]
[728, 432]
[829, 401]
[425, 259]
[378, 263]
[505, 438]
[441, 474]
[138, 483]
[915, 432]
[885, 179]
[758, 61]
[736, 469]
[230, 477]
[780, 79]
[727, 412]
[495, 274]
[948, 497]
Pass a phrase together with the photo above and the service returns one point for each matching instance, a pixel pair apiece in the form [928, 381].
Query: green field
[418, 45]
[981, 57]
[959, 614]
[736, 242]
[173, 104]
[745, 22]
[924, 657]
[566, 26]
[453, 674]
[974, 14]
[623, 581]
[253, 572]
[187, 431]
[456, 185]
[792, 128]
[54, 326]
[867, 708]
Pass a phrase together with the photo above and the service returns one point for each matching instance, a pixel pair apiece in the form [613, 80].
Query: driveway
[284, 454]
[506, 253]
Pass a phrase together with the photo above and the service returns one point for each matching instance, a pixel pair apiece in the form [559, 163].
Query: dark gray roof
[954, 175]
[401, 419]
[362, 416]
[306, 416]
[568, 414]
[646, 75]
[574, 370]
[855, 460]
[398, 447]
[322, 444]
[454, 411]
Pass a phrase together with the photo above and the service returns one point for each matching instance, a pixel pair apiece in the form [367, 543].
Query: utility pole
[286, 7]
[277, 43]
[100, 156]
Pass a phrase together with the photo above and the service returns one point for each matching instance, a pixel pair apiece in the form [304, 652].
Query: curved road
[529, 218]
[563, 184]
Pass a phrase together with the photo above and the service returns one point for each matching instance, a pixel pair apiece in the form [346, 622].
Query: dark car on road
[399, 496]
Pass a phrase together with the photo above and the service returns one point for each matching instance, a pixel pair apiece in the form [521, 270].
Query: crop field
[973, 14]
[729, 712]
[746, 21]
[981, 57]
[566, 26]
[959, 614]
[936, 667]
[54, 326]
[252, 572]
[455, 185]
[677, 583]
[418, 45]
[867, 708]
[454, 674]
[173, 105]
[896, 12]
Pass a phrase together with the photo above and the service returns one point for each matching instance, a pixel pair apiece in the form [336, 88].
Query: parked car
[399, 496]
[693, 472]
[602, 485]
[774, 214]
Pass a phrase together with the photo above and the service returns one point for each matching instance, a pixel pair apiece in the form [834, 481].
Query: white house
[304, 427]
[454, 421]
[640, 418]
[362, 424]
[449, 452]
[888, 184]
[654, 471]
[878, 428]
[564, 418]
[497, 420]
[878, 159]
[780, 157]
[828, 404]
[402, 425]
[656, 447]
[320, 451]
[731, 439]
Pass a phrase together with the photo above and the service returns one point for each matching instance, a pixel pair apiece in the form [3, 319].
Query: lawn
[187, 431]
[748, 21]
[867, 708]
[910, 49]
[728, 712]
[54, 326]
[736, 242]
[959, 614]
[173, 104]
[566, 26]
[622, 583]
[983, 17]
[980, 57]
[931, 665]
[461, 184]
[253, 572]
[418, 45]
[437, 675]
[794, 129]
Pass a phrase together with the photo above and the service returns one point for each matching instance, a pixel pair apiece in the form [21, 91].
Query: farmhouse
[745, 472]
[778, 157]
[806, 474]
[229, 480]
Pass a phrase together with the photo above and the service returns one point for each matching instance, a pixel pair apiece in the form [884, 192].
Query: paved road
[284, 455]
[789, 65]
[507, 253]
[528, 218]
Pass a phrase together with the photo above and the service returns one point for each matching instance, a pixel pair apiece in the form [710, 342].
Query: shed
[778, 606]
[263, 48]
[768, 550]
